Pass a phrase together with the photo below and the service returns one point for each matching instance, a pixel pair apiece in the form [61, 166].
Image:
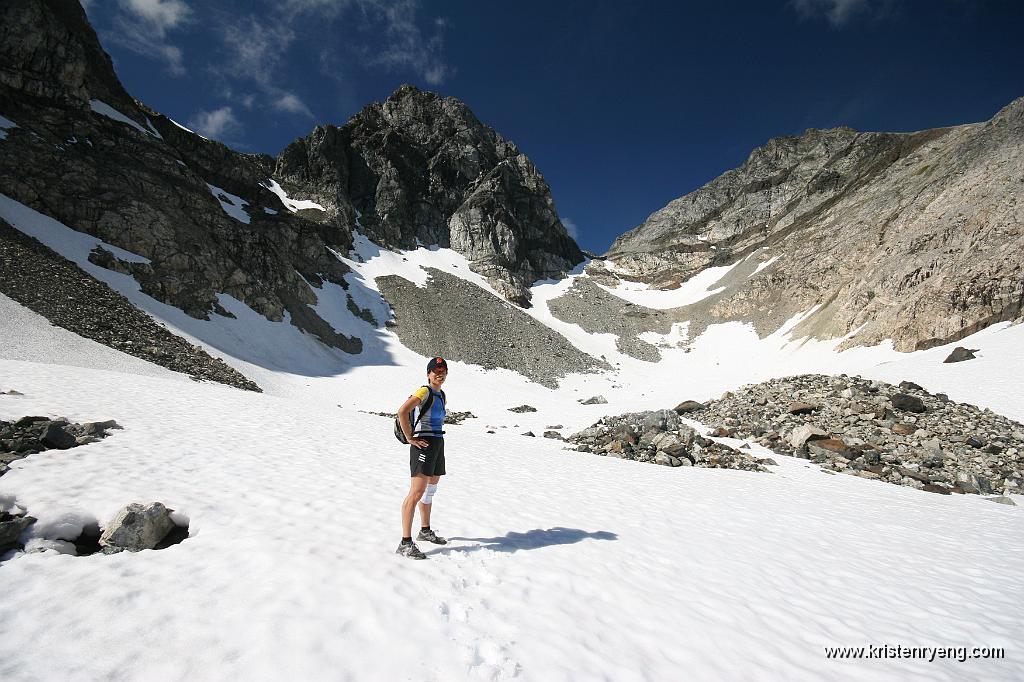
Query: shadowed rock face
[422, 167]
[146, 185]
[915, 236]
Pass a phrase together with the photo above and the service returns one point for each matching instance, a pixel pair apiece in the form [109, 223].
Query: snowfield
[561, 566]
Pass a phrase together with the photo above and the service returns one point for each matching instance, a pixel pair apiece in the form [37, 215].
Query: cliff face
[82, 151]
[422, 167]
[910, 236]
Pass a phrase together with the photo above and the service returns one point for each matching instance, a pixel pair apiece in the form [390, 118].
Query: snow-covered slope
[562, 566]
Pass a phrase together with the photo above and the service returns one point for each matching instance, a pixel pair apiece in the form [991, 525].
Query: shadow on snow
[531, 539]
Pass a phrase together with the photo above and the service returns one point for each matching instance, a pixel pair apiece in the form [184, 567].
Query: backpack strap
[424, 408]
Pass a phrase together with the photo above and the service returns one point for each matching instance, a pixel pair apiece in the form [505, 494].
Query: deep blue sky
[623, 106]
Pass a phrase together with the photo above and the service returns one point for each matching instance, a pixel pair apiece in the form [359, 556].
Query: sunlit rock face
[910, 236]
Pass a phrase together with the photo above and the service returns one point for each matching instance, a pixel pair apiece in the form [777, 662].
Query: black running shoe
[410, 550]
[430, 536]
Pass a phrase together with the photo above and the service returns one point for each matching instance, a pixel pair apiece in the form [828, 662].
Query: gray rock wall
[915, 236]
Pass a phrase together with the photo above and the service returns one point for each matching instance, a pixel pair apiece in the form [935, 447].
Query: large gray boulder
[137, 527]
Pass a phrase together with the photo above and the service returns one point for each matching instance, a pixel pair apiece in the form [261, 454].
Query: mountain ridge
[867, 226]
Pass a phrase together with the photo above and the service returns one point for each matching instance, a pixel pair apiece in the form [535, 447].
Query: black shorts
[428, 461]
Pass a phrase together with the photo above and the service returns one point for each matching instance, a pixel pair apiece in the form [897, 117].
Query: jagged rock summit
[913, 237]
[421, 168]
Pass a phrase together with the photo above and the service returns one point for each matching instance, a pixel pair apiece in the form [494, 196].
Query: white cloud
[381, 33]
[390, 34]
[256, 50]
[837, 12]
[292, 104]
[142, 25]
[571, 228]
[161, 14]
[215, 124]
[404, 45]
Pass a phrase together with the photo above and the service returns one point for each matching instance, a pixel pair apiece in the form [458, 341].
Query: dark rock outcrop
[31, 434]
[959, 354]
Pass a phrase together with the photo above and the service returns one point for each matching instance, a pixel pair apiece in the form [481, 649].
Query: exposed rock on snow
[596, 311]
[687, 406]
[873, 429]
[960, 354]
[522, 409]
[11, 528]
[137, 527]
[596, 400]
[660, 438]
[29, 435]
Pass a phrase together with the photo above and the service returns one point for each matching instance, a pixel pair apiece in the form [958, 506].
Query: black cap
[435, 363]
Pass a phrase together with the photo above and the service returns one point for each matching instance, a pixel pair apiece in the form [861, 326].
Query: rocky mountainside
[212, 222]
[910, 236]
[82, 151]
[419, 167]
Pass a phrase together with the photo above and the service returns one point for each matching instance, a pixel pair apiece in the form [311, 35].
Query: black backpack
[424, 409]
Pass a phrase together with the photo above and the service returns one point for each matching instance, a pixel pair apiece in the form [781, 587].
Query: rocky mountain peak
[421, 168]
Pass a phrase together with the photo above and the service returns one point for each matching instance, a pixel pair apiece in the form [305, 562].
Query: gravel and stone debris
[461, 321]
[660, 437]
[67, 296]
[898, 434]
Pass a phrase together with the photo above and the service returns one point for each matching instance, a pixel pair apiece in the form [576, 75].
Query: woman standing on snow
[426, 455]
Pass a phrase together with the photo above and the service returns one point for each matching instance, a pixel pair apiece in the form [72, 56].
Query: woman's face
[437, 377]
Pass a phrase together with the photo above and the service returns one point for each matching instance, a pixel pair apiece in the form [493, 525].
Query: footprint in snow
[486, 657]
